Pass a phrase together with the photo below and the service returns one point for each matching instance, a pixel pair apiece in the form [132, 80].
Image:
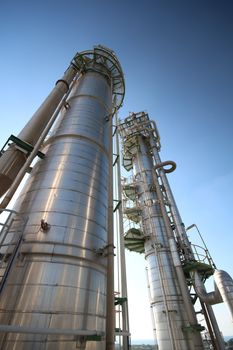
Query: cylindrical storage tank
[166, 298]
[59, 280]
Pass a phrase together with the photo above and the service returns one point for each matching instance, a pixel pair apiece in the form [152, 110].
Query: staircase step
[134, 240]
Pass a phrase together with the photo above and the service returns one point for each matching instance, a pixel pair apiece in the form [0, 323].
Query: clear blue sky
[178, 62]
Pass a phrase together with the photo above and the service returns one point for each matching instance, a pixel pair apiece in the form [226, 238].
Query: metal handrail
[202, 256]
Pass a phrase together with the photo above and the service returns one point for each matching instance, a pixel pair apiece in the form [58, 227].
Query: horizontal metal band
[77, 136]
[52, 331]
[109, 110]
[123, 333]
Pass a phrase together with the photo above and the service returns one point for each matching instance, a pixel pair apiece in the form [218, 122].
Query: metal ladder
[11, 237]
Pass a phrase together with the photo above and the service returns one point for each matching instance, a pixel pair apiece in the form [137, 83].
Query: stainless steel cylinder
[166, 298]
[59, 280]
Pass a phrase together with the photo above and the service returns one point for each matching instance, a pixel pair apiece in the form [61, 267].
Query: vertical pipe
[35, 150]
[39, 120]
[207, 299]
[124, 294]
[218, 337]
[208, 323]
[13, 159]
[110, 319]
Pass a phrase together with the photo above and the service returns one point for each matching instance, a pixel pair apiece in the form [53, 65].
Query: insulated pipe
[13, 158]
[110, 324]
[225, 286]
[207, 299]
[37, 123]
[33, 154]
[210, 298]
[124, 293]
[219, 342]
[209, 325]
[167, 162]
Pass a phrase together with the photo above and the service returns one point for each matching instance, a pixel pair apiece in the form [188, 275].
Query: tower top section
[103, 60]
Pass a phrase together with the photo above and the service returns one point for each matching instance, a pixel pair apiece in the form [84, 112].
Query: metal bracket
[116, 159]
[103, 251]
[66, 105]
[44, 226]
[117, 205]
[120, 300]
[21, 144]
[115, 130]
[93, 338]
[157, 246]
[193, 328]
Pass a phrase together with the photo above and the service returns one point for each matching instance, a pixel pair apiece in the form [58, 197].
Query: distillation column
[176, 324]
[56, 294]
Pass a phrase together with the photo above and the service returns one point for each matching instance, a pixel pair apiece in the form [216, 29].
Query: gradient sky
[177, 57]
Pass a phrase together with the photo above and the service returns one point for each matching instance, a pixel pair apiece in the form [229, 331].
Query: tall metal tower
[57, 284]
[176, 275]
[57, 244]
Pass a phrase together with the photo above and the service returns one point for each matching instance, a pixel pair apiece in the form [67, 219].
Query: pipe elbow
[225, 286]
[210, 298]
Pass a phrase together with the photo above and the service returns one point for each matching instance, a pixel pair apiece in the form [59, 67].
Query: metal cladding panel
[93, 107]
[161, 326]
[169, 283]
[60, 279]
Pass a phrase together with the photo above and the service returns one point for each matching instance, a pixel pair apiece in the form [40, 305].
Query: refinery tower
[58, 243]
